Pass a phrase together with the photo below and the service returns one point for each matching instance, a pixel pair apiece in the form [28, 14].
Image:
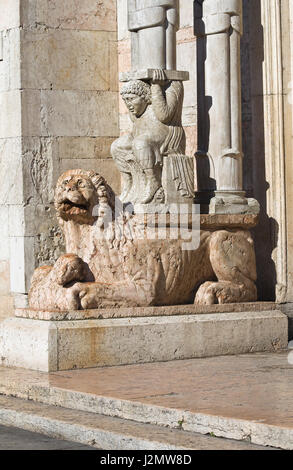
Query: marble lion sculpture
[102, 269]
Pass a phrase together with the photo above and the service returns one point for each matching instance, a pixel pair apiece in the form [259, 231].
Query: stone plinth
[63, 345]
[147, 74]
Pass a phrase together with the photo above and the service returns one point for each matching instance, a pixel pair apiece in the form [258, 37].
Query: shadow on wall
[266, 233]
[205, 181]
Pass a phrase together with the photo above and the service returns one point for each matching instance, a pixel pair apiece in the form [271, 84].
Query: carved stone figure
[103, 268]
[155, 111]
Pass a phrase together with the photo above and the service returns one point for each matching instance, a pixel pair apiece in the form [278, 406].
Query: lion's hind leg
[233, 261]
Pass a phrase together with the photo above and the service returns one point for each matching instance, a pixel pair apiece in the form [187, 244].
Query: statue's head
[137, 96]
[78, 192]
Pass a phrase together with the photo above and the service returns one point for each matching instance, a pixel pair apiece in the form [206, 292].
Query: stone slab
[97, 431]
[147, 74]
[217, 221]
[246, 397]
[207, 221]
[63, 345]
[142, 312]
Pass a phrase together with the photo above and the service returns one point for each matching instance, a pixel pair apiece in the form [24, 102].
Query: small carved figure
[155, 111]
[104, 269]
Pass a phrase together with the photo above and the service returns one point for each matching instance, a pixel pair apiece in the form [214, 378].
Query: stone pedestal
[62, 345]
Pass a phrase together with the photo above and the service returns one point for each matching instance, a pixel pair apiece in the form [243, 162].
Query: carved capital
[150, 13]
[147, 18]
[218, 16]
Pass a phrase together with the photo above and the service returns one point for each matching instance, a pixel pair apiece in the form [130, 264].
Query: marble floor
[254, 389]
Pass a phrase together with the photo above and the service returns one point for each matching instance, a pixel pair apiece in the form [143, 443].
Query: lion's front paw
[88, 296]
[206, 294]
[222, 292]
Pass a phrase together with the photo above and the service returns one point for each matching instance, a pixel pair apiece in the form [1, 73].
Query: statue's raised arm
[151, 158]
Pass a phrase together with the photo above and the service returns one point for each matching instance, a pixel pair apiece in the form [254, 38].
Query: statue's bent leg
[120, 151]
[233, 261]
[146, 152]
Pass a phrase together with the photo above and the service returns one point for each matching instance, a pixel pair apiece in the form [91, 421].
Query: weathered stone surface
[50, 60]
[6, 306]
[31, 108]
[142, 312]
[4, 234]
[234, 398]
[14, 439]
[80, 148]
[186, 13]
[4, 278]
[22, 263]
[11, 125]
[9, 14]
[217, 221]
[11, 190]
[155, 22]
[186, 51]
[218, 27]
[122, 25]
[98, 431]
[148, 74]
[90, 343]
[96, 114]
[152, 155]
[41, 169]
[47, 47]
[186, 60]
[27, 342]
[155, 109]
[20, 300]
[70, 14]
[106, 167]
[130, 264]
[10, 60]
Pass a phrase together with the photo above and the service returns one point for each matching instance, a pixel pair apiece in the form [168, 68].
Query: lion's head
[78, 192]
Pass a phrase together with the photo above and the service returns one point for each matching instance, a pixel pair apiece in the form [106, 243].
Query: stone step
[103, 432]
[246, 397]
[12, 438]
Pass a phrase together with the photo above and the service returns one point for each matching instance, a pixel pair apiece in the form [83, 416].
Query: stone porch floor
[247, 397]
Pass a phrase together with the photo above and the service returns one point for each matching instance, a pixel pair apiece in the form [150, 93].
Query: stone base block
[63, 345]
[226, 202]
[147, 74]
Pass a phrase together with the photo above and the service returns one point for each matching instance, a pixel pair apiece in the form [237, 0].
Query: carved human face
[102, 193]
[135, 103]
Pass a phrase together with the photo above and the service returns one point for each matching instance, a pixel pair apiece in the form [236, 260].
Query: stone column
[153, 25]
[218, 26]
